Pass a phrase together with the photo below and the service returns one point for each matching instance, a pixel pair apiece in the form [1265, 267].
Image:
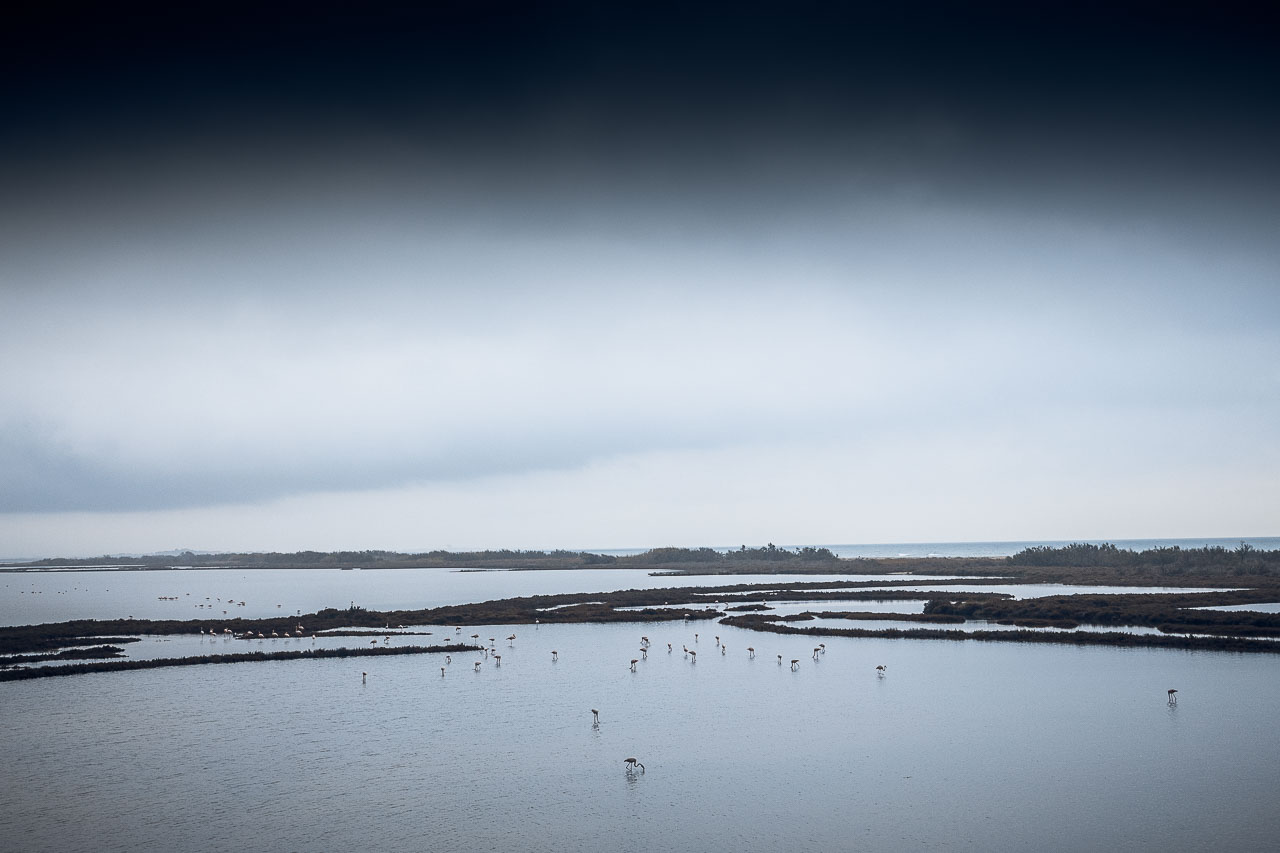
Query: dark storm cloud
[962, 92]
[47, 476]
[712, 116]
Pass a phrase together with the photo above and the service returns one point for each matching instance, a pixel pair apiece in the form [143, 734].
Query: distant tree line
[1244, 559]
[767, 554]
[502, 559]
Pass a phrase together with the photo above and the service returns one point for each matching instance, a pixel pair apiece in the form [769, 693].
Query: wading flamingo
[632, 764]
[1173, 697]
[644, 652]
[477, 666]
[751, 651]
[881, 669]
[595, 716]
[497, 660]
[555, 655]
[364, 677]
[634, 661]
[795, 664]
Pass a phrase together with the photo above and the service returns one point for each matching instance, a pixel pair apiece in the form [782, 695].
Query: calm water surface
[962, 746]
[1261, 607]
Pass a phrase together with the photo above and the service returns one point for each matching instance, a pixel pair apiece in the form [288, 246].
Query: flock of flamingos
[631, 764]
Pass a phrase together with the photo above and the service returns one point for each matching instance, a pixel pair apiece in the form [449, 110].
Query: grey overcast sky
[626, 275]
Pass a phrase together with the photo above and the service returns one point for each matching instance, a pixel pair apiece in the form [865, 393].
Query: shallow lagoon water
[28, 598]
[1259, 607]
[982, 746]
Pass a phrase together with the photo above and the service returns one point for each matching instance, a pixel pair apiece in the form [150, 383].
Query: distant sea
[1002, 549]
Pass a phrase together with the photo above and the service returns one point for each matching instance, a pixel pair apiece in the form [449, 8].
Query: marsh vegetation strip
[256, 656]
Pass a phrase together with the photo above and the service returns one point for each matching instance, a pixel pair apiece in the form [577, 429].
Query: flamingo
[555, 655]
[477, 666]
[596, 715]
[795, 664]
[511, 639]
[693, 656]
[881, 669]
[634, 661]
[751, 652]
[632, 764]
[1173, 696]
[644, 653]
[815, 653]
[497, 660]
[668, 648]
[779, 660]
[364, 678]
